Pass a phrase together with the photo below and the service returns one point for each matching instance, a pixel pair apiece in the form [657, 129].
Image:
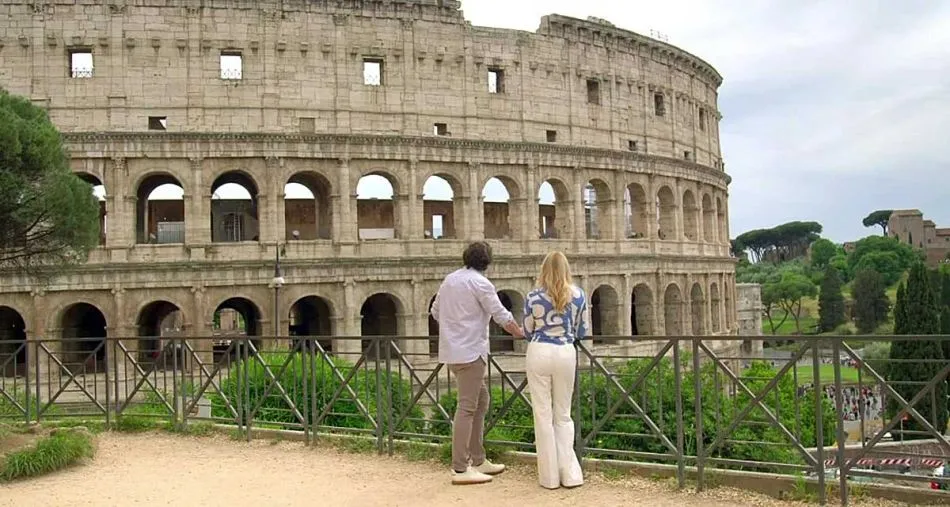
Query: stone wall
[577, 105]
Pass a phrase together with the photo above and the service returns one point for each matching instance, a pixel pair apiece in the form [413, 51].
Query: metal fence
[829, 408]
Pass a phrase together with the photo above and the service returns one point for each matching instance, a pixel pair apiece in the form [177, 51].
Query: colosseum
[353, 147]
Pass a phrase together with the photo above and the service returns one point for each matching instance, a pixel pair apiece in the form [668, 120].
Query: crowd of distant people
[858, 402]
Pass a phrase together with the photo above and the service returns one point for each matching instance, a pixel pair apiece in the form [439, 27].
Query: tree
[916, 362]
[49, 214]
[870, 300]
[822, 251]
[830, 301]
[876, 246]
[880, 218]
[789, 293]
[781, 243]
[900, 311]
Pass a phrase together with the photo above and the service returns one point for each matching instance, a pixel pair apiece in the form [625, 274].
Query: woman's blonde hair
[555, 279]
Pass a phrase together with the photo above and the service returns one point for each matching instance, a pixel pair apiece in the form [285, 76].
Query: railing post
[245, 366]
[678, 387]
[700, 446]
[379, 399]
[108, 371]
[26, 380]
[177, 388]
[36, 358]
[839, 420]
[819, 420]
[302, 347]
[392, 394]
[311, 357]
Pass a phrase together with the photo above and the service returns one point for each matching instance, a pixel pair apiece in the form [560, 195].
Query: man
[465, 303]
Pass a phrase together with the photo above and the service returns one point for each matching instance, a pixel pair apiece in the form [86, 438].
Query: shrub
[54, 452]
[296, 381]
[515, 425]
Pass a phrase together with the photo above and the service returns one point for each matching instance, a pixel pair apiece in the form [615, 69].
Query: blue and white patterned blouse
[542, 323]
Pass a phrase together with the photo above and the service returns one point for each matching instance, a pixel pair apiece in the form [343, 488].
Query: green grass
[826, 373]
[54, 452]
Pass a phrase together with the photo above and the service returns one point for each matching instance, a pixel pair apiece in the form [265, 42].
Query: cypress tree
[830, 301]
[870, 300]
[900, 311]
[918, 316]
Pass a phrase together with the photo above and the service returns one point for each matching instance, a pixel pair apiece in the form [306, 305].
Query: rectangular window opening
[440, 129]
[157, 123]
[437, 221]
[632, 145]
[702, 120]
[80, 63]
[496, 80]
[372, 72]
[232, 65]
[552, 136]
[593, 91]
[659, 108]
[688, 155]
[307, 125]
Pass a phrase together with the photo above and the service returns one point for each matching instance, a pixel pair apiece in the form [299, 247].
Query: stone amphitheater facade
[197, 95]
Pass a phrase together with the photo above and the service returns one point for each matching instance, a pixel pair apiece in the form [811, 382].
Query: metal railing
[829, 408]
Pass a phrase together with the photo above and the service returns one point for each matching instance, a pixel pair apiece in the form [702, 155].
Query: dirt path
[158, 469]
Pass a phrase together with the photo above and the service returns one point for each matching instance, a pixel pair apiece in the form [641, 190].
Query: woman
[556, 315]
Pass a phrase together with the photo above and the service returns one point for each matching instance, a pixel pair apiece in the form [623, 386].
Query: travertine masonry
[578, 104]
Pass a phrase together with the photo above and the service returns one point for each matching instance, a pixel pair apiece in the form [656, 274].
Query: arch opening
[690, 216]
[234, 209]
[598, 210]
[604, 313]
[697, 310]
[672, 310]
[438, 207]
[160, 210]
[498, 195]
[235, 318]
[99, 192]
[666, 214]
[12, 343]
[308, 212]
[709, 219]
[641, 315]
[635, 212]
[376, 207]
[379, 316]
[716, 307]
[157, 321]
[84, 338]
[311, 318]
[514, 303]
[554, 210]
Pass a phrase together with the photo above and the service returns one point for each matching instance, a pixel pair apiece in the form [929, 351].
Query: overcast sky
[832, 109]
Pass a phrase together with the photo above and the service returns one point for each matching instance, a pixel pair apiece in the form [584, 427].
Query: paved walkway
[160, 470]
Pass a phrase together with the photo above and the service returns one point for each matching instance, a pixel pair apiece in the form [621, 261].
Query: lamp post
[277, 282]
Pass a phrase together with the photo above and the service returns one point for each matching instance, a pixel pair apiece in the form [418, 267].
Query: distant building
[909, 227]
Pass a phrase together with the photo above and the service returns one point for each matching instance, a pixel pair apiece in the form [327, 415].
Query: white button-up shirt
[464, 305]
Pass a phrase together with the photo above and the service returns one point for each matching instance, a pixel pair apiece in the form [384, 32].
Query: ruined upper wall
[588, 83]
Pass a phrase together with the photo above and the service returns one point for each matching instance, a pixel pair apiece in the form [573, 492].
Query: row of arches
[596, 211]
[83, 326]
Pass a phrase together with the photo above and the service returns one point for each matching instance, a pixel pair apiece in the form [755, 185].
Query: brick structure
[909, 226]
[262, 94]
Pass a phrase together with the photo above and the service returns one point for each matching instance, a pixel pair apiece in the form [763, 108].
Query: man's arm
[488, 299]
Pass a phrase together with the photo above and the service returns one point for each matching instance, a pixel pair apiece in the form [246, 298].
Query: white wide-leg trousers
[550, 369]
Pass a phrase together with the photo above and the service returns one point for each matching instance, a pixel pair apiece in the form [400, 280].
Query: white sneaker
[489, 468]
[470, 476]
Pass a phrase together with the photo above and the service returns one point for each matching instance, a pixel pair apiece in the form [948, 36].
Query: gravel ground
[161, 469]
